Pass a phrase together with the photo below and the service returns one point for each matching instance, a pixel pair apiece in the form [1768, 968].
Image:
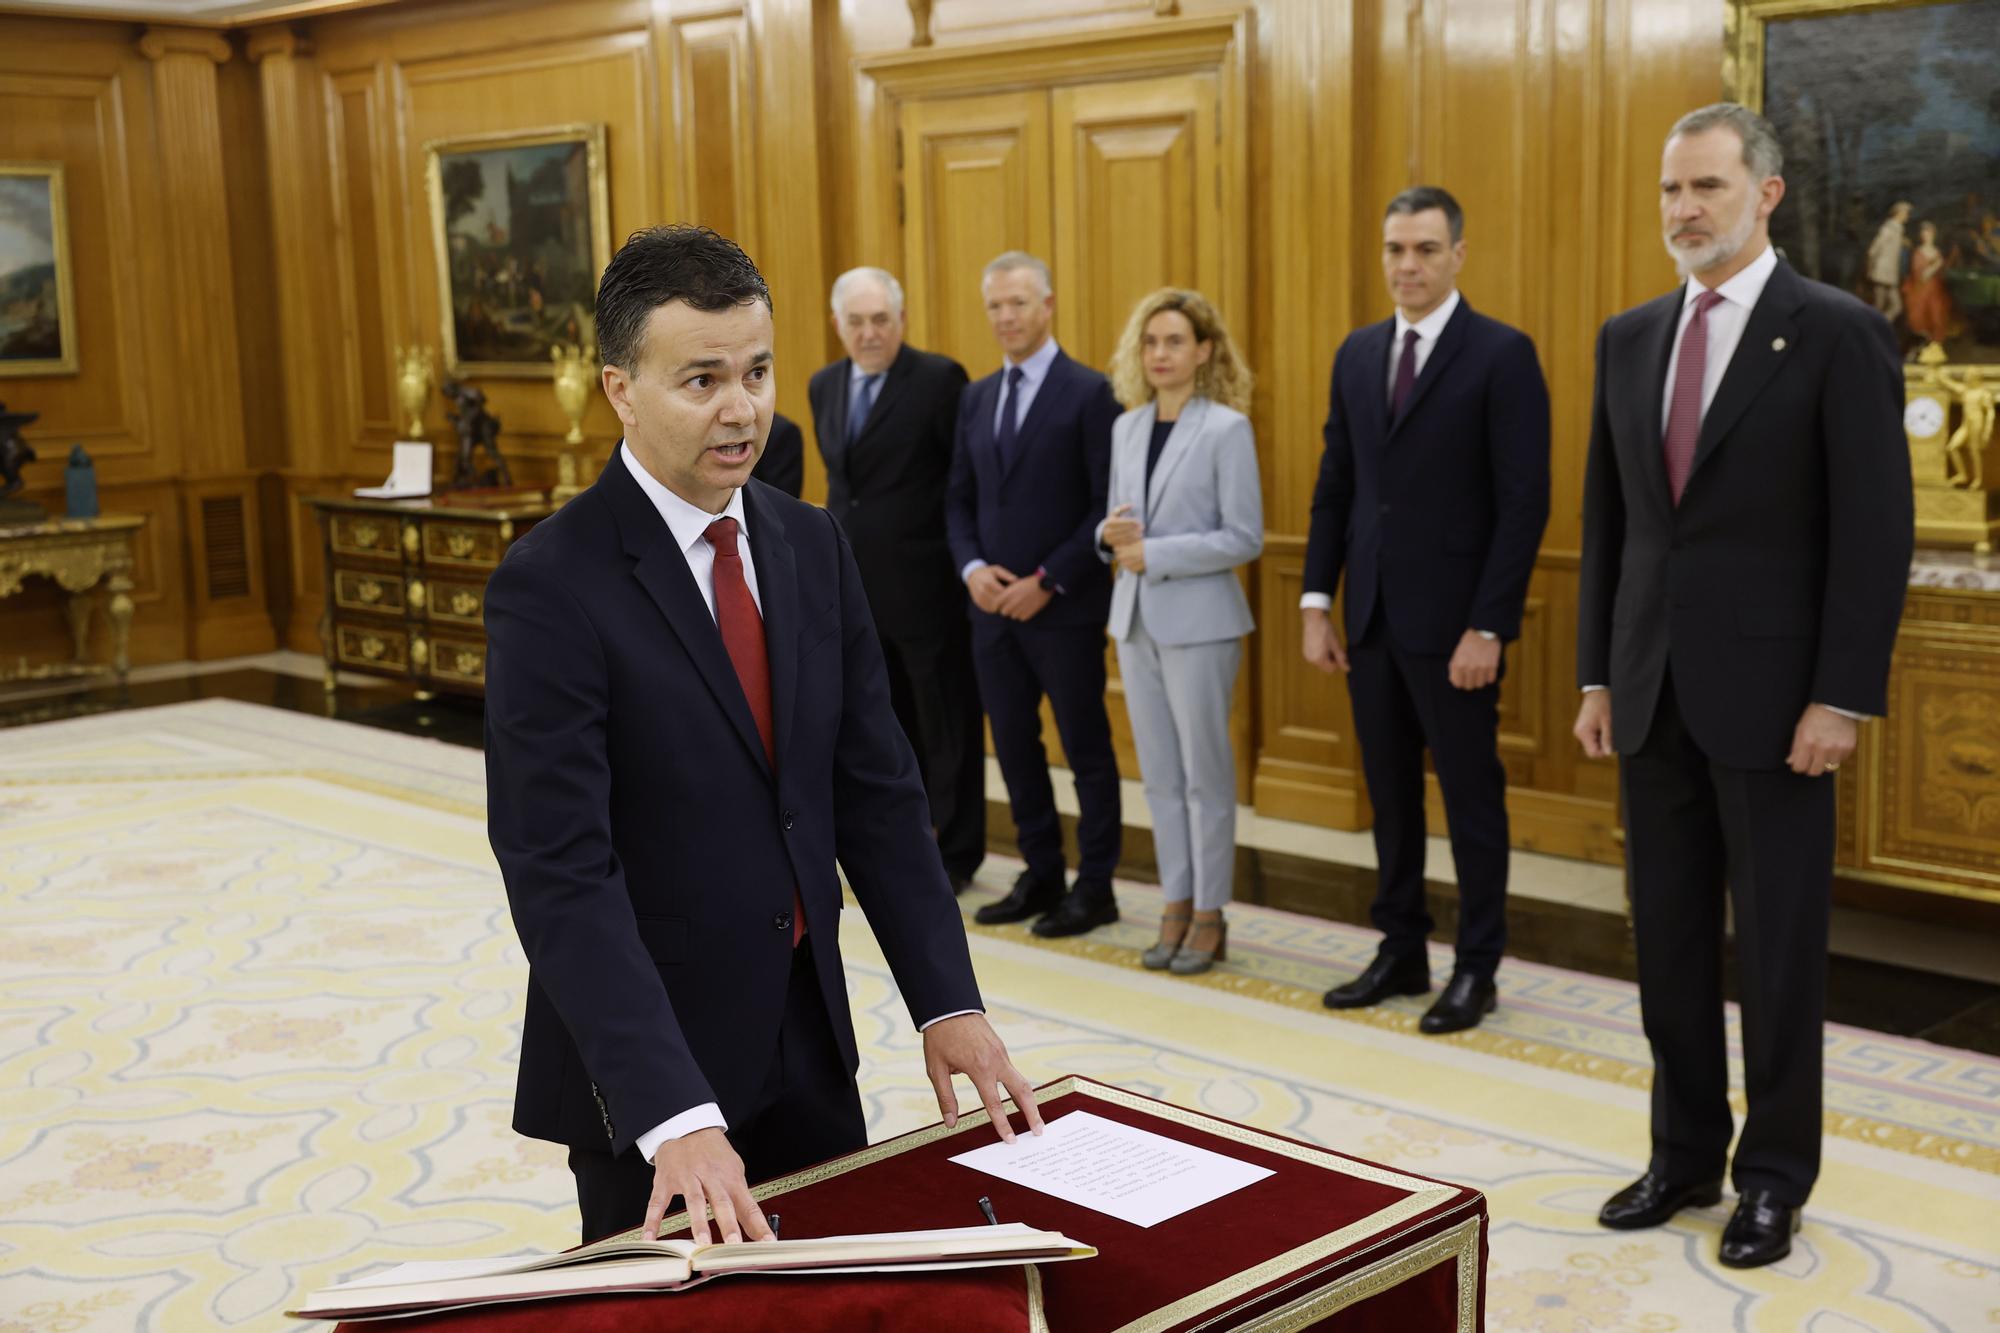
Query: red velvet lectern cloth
[1327, 1242]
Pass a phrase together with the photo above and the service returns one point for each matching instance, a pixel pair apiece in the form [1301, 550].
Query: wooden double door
[1123, 184]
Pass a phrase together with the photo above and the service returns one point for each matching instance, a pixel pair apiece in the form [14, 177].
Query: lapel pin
[1777, 344]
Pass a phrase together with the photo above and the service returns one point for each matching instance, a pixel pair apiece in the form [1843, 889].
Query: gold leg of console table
[120, 584]
[79, 605]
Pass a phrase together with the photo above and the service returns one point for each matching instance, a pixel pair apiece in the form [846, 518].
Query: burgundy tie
[1684, 416]
[743, 636]
[1406, 375]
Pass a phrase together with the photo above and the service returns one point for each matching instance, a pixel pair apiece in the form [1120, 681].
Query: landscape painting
[1890, 121]
[37, 311]
[523, 233]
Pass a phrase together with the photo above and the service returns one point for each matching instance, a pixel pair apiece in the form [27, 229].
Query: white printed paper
[409, 474]
[1114, 1168]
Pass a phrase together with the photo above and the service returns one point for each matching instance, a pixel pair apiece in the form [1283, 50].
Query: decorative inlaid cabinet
[406, 585]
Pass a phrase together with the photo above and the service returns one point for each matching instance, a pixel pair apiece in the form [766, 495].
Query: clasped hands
[1001, 592]
[1126, 536]
[1821, 741]
[705, 1171]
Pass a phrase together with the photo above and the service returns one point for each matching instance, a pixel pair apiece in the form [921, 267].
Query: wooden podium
[1327, 1242]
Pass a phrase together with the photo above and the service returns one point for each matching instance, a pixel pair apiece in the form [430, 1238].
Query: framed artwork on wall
[522, 230]
[37, 301]
[1889, 114]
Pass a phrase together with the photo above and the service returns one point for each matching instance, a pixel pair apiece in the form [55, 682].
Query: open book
[627, 1263]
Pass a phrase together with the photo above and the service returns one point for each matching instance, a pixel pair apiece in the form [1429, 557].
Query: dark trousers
[1018, 663]
[936, 698]
[809, 1110]
[1405, 703]
[1691, 827]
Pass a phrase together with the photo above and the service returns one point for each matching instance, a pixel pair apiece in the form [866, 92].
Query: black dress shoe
[1759, 1232]
[1465, 1001]
[1652, 1200]
[1088, 906]
[1387, 975]
[1033, 894]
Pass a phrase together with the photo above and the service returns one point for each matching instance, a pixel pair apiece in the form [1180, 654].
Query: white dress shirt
[1033, 371]
[1428, 330]
[1726, 321]
[689, 524]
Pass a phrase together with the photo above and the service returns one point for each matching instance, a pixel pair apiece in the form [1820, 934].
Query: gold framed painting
[522, 229]
[37, 299]
[1889, 114]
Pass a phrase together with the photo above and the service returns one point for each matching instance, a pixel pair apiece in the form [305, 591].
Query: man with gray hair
[1029, 478]
[1747, 529]
[885, 415]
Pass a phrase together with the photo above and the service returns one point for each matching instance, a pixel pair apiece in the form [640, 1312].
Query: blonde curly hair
[1226, 378]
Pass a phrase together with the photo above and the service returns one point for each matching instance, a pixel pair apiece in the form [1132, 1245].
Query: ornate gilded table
[79, 554]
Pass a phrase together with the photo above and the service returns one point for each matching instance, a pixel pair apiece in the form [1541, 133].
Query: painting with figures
[1890, 120]
[522, 235]
[37, 315]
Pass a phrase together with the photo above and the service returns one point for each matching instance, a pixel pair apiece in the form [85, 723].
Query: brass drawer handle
[414, 590]
[420, 651]
[368, 590]
[372, 647]
[464, 604]
[460, 544]
[364, 534]
[467, 663]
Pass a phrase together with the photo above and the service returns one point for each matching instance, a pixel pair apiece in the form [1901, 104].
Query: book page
[1114, 1168]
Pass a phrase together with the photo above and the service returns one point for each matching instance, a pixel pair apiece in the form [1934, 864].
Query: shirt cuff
[1848, 713]
[1316, 601]
[1592, 689]
[970, 566]
[1487, 635]
[956, 1013]
[706, 1116]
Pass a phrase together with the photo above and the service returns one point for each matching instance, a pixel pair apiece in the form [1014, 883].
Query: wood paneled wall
[1248, 147]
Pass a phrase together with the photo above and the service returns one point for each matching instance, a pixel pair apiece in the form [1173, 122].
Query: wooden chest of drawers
[406, 584]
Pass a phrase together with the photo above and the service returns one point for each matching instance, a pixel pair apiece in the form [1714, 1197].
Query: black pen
[776, 1221]
[986, 1207]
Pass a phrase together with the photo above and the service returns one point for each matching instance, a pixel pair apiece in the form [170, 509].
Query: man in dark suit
[885, 416]
[1746, 543]
[1433, 492]
[1029, 475]
[686, 727]
[783, 462]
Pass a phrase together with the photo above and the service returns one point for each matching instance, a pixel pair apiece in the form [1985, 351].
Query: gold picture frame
[1920, 240]
[511, 288]
[33, 198]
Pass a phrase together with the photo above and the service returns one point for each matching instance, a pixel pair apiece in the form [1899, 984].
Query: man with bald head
[884, 415]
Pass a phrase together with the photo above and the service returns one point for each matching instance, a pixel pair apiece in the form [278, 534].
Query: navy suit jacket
[1778, 580]
[1041, 510]
[783, 462]
[1435, 515]
[649, 851]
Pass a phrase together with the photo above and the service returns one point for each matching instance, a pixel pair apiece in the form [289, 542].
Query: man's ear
[618, 388]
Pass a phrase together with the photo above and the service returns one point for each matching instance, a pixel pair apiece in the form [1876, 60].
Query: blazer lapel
[662, 570]
[1771, 328]
[835, 443]
[1371, 406]
[778, 590]
[1053, 384]
[1448, 345]
[1180, 441]
[1655, 349]
[893, 381]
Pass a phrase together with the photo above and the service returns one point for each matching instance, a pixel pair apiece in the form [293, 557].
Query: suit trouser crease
[1017, 665]
[809, 1110]
[935, 695]
[1695, 830]
[1405, 703]
[1178, 698]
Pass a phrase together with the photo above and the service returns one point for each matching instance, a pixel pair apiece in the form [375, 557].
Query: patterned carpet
[259, 999]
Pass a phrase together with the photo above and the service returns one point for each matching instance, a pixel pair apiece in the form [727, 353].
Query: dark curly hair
[663, 264]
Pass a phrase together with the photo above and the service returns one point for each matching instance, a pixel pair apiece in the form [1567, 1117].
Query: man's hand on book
[968, 1045]
[706, 1172]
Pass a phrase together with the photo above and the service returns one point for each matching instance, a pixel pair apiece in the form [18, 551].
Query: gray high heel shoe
[1188, 962]
[1161, 955]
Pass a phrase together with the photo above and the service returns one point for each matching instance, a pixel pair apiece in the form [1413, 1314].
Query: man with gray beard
[1746, 541]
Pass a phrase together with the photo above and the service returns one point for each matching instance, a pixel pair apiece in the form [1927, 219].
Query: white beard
[1719, 250]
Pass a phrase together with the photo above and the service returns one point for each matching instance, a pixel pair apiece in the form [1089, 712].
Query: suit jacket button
[783, 921]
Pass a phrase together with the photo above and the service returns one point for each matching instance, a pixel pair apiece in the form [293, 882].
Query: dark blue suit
[1436, 516]
[1039, 509]
[650, 853]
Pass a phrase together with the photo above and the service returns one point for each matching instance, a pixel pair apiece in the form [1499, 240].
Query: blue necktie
[857, 411]
[1009, 429]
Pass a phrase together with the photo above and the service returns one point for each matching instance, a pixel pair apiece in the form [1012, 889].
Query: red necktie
[743, 636]
[1684, 416]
